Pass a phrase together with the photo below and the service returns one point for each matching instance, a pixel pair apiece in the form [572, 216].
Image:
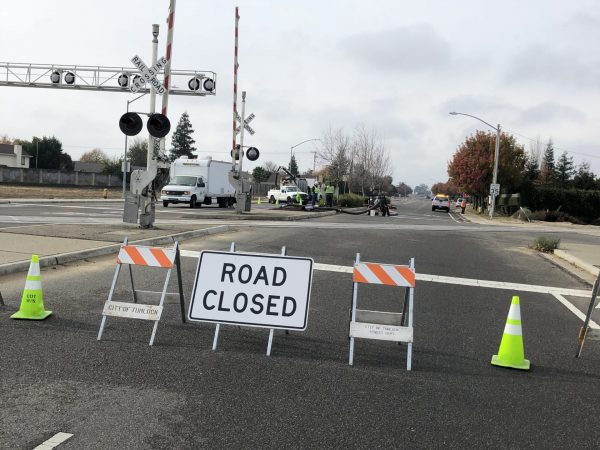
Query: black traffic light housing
[158, 124]
[252, 153]
[130, 124]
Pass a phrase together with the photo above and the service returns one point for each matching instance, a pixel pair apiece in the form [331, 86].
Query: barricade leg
[272, 331]
[353, 314]
[110, 295]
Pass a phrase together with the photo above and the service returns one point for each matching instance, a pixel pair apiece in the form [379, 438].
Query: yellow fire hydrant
[105, 193]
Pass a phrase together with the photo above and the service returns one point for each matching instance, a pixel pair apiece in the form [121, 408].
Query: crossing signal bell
[158, 124]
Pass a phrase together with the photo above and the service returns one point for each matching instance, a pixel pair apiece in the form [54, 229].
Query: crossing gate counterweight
[383, 325]
[137, 255]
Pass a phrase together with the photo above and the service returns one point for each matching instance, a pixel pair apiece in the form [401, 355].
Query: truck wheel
[272, 199]
[165, 204]
[289, 200]
[221, 203]
[193, 201]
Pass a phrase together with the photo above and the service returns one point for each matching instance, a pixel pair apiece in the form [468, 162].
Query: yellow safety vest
[329, 190]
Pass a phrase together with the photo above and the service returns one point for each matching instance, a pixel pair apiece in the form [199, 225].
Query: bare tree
[371, 159]
[336, 149]
[270, 166]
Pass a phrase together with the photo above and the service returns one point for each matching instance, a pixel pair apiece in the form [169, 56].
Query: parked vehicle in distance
[458, 202]
[197, 182]
[287, 193]
[440, 201]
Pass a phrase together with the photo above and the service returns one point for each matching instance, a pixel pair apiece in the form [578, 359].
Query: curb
[62, 258]
[59, 200]
[592, 270]
[262, 216]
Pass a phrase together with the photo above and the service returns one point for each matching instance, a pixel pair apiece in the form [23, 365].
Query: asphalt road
[121, 393]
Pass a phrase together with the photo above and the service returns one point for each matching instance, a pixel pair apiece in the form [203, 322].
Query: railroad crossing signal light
[55, 77]
[209, 85]
[69, 78]
[252, 153]
[158, 125]
[194, 84]
[130, 124]
[123, 80]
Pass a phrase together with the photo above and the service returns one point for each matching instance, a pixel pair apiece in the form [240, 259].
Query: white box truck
[197, 181]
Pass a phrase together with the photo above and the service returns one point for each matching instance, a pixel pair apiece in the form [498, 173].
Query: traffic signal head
[130, 124]
[158, 125]
[252, 153]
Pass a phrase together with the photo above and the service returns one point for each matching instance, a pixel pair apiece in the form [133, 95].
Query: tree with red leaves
[472, 165]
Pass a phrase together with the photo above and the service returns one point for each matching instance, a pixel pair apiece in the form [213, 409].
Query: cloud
[550, 112]
[540, 64]
[413, 48]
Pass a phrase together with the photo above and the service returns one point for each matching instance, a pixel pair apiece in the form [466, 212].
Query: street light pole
[496, 156]
[129, 102]
[297, 145]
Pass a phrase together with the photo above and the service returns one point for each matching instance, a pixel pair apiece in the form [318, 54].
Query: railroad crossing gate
[138, 255]
[383, 325]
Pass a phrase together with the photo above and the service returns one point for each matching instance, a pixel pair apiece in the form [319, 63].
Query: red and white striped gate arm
[147, 256]
[388, 274]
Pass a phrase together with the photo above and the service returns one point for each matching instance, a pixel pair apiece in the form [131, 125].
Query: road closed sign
[269, 291]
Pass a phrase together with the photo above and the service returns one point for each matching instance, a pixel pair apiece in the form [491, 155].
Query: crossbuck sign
[148, 75]
[258, 290]
[247, 126]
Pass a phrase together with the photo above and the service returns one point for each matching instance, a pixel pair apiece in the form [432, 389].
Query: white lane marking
[54, 441]
[452, 280]
[574, 310]
[452, 217]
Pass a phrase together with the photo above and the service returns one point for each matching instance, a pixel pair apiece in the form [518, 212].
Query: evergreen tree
[548, 170]
[565, 169]
[50, 153]
[585, 178]
[182, 141]
[293, 168]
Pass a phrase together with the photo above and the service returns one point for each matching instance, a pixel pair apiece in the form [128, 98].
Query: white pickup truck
[287, 194]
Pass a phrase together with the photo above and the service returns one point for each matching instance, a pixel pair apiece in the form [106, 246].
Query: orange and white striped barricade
[139, 255]
[383, 325]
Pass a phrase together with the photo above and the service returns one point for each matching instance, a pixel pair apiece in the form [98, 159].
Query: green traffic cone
[32, 301]
[511, 353]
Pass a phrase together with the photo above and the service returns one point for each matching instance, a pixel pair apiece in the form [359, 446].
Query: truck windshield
[291, 188]
[183, 181]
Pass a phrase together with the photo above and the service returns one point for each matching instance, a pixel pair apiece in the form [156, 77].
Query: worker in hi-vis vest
[315, 195]
[329, 190]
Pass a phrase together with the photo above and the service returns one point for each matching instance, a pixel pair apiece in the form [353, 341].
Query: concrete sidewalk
[585, 257]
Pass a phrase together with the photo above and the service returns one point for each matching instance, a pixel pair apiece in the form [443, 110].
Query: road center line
[54, 441]
[453, 280]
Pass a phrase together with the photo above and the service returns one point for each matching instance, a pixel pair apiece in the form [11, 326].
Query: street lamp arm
[303, 142]
[474, 117]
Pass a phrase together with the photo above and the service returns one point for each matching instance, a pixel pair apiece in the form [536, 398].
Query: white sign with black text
[258, 290]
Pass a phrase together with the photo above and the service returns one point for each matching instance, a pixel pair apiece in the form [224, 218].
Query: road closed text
[257, 290]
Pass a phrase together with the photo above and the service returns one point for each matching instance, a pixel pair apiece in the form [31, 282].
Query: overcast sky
[397, 67]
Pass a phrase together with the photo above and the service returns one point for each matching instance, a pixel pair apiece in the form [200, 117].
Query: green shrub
[545, 244]
[351, 200]
[573, 202]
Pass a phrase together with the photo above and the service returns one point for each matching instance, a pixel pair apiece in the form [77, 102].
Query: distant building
[89, 167]
[14, 156]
